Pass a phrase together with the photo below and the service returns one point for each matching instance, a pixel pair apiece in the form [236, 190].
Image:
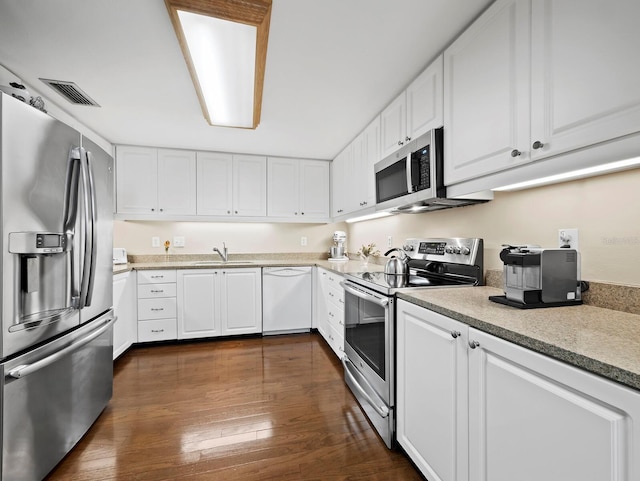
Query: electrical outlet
[178, 241]
[568, 239]
[303, 241]
[389, 241]
[155, 241]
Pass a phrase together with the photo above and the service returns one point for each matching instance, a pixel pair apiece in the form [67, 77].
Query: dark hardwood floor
[273, 408]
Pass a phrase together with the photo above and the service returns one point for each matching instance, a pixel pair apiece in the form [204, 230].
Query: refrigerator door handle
[88, 265]
[92, 228]
[26, 369]
[71, 216]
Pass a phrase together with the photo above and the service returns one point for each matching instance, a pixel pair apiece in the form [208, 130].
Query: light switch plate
[155, 241]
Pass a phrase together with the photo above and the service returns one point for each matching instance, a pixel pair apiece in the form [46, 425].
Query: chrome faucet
[224, 253]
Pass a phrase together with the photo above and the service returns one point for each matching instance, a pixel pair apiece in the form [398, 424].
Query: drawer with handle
[149, 291]
[161, 308]
[156, 276]
[157, 330]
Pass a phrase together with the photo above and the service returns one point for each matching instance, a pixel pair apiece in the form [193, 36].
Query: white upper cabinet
[415, 111]
[353, 177]
[531, 80]
[283, 187]
[155, 182]
[393, 125]
[340, 167]
[425, 100]
[249, 185]
[215, 184]
[137, 180]
[314, 189]
[366, 152]
[298, 189]
[486, 94]
[584, 76]
[176, 182]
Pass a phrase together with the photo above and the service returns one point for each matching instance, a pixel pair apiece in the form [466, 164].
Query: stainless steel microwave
[411, 179]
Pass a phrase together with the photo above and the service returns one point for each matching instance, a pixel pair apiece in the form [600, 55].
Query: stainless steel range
[369, 360]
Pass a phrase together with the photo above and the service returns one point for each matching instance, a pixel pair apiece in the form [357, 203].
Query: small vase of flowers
[367, 251]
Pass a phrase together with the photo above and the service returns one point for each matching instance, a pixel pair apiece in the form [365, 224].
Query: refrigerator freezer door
[100, 296]
[51, 396]
[35, 161]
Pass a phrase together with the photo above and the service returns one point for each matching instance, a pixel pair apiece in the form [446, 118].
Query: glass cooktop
[389, 284]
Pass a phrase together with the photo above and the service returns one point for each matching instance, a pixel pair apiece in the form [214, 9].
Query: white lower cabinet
[219, 302]
[330, 309]
[522, 415]
[124, 306]
[156, 305]
[432, 392]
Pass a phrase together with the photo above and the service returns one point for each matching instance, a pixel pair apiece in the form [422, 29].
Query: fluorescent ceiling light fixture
[574, 174]
[224, 43]
[375, 215]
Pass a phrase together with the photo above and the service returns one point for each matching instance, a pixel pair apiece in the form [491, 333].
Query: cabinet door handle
[157, 291]
[228, 212]
[400, 142]
[157, 330]
[157, 308]
[455, 334]
[537, 145]
[152, 209]
[515, 153]
[161, 210]
[473, 344]
[407, 138]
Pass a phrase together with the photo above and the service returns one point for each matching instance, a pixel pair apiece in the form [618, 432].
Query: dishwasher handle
[286, 272]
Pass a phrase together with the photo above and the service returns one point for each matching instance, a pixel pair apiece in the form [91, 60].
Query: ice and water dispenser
[43, 277]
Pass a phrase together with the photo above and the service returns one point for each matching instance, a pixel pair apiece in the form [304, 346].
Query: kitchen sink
[220, 263]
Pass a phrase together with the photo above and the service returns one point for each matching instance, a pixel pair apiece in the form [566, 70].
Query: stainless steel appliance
[537, 277]
[369, 359]
[411, 179]
[56, 338]
[338, 252]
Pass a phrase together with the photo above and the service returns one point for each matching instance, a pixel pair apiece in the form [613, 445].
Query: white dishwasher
[286, 300]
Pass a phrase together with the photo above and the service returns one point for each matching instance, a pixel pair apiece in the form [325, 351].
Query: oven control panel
[456, 250]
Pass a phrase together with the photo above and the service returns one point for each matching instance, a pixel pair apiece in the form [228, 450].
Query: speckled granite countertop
[601, 341]
[339, 267]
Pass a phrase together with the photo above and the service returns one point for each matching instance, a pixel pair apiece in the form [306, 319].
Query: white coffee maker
[337, 252]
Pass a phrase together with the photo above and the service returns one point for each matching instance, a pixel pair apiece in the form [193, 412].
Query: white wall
[605, 209]
[243, 238]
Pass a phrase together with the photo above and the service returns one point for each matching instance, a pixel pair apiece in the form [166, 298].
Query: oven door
[369, 354]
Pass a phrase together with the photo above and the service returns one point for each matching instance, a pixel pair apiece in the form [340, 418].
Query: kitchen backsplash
[240, 238]
[603, 209]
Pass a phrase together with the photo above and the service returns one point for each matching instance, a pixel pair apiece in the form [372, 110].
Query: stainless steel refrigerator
[56, 344]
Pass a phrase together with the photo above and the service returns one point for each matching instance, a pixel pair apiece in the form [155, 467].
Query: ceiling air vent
[71, 92]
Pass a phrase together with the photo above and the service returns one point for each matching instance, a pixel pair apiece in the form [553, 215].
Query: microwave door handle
[364, 295]
[408, 171]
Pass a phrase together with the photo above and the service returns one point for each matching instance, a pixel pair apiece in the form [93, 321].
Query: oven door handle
[377, 404]
[363, 295]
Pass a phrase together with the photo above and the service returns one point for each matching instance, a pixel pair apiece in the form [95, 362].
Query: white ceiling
[332, 65]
